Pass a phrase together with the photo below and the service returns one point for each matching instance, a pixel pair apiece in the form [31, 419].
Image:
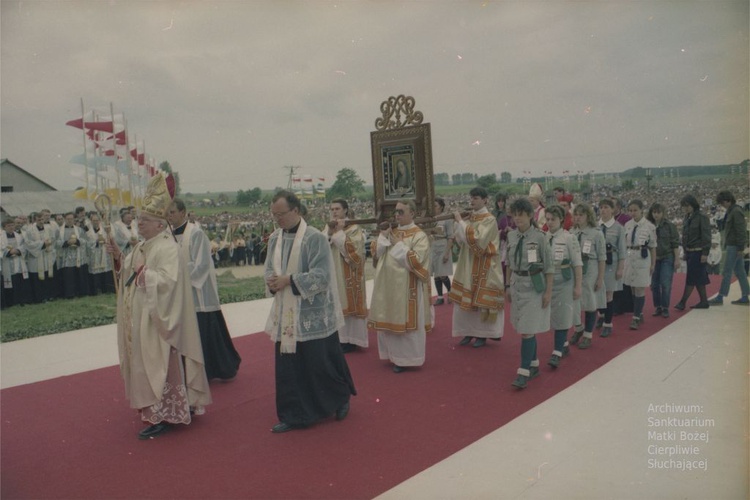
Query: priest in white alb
[221, 358]
[478, 289]
[348, 248]
[400, 309]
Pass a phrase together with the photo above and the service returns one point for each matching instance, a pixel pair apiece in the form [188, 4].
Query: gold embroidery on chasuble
[477, 279]
[396, 300]
[354, 270]
[349, 266]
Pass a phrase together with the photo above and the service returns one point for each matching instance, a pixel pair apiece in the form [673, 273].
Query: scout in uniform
[530, 292]
[566, 285]
[614, 237]
[640, 238]
[594, 257]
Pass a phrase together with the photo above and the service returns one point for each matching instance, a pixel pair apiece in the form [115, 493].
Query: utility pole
[291, 175]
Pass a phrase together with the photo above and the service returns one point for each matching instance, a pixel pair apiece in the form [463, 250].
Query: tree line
[348, 183]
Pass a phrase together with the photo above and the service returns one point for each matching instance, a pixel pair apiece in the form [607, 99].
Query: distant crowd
[667, 194]
[48, 256]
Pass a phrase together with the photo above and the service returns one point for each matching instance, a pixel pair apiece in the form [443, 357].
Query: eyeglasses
[280, 214]
[399, 211]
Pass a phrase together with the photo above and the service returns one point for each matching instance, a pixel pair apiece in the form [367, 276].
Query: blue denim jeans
[661, 282]
[733, 264]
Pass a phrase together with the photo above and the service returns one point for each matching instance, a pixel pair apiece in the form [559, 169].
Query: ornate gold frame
[402, 147]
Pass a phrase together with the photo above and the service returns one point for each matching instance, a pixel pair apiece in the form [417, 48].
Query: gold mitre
[159, 194]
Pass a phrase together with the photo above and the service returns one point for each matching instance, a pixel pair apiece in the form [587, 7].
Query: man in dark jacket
[735, 239]
[696, 242]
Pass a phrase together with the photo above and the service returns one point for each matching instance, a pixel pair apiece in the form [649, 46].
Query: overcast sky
[231, 92]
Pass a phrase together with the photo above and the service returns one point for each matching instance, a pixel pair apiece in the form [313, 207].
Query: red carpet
[75, 437]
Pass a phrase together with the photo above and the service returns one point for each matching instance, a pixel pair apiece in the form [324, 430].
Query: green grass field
[64, 315]
[36, 320]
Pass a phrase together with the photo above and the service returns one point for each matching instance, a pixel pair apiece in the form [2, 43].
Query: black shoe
[700, 305]
[657, 312]
[680, 306]
[479, 343]
[554, 361]
[600, 322]
[520, 382]
[398, 369]
[439, 301]
[665, 313]
[465, 340]
[343, 411]
[154, 430]
[576, 336]
[533, 372]
[282, 427]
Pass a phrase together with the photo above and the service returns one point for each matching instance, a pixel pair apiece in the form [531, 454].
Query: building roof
[23, 203]
[7, 161]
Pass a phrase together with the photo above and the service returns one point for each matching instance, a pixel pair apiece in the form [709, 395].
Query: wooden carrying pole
[384, 224]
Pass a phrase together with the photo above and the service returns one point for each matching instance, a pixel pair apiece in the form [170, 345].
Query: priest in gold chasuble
[478, 289]
[348, 249]
[400, 309]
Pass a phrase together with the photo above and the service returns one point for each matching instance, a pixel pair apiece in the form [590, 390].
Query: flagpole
[85, 155]
[139, 173]
[118, 185]
[145, 162]
[96, 147]
[141, 177]
[130, 163]
[144, 173]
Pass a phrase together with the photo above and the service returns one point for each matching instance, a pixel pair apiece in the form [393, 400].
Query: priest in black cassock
[312, 377]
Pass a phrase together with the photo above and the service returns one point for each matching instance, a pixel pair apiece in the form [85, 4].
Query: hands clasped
[277, 283]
